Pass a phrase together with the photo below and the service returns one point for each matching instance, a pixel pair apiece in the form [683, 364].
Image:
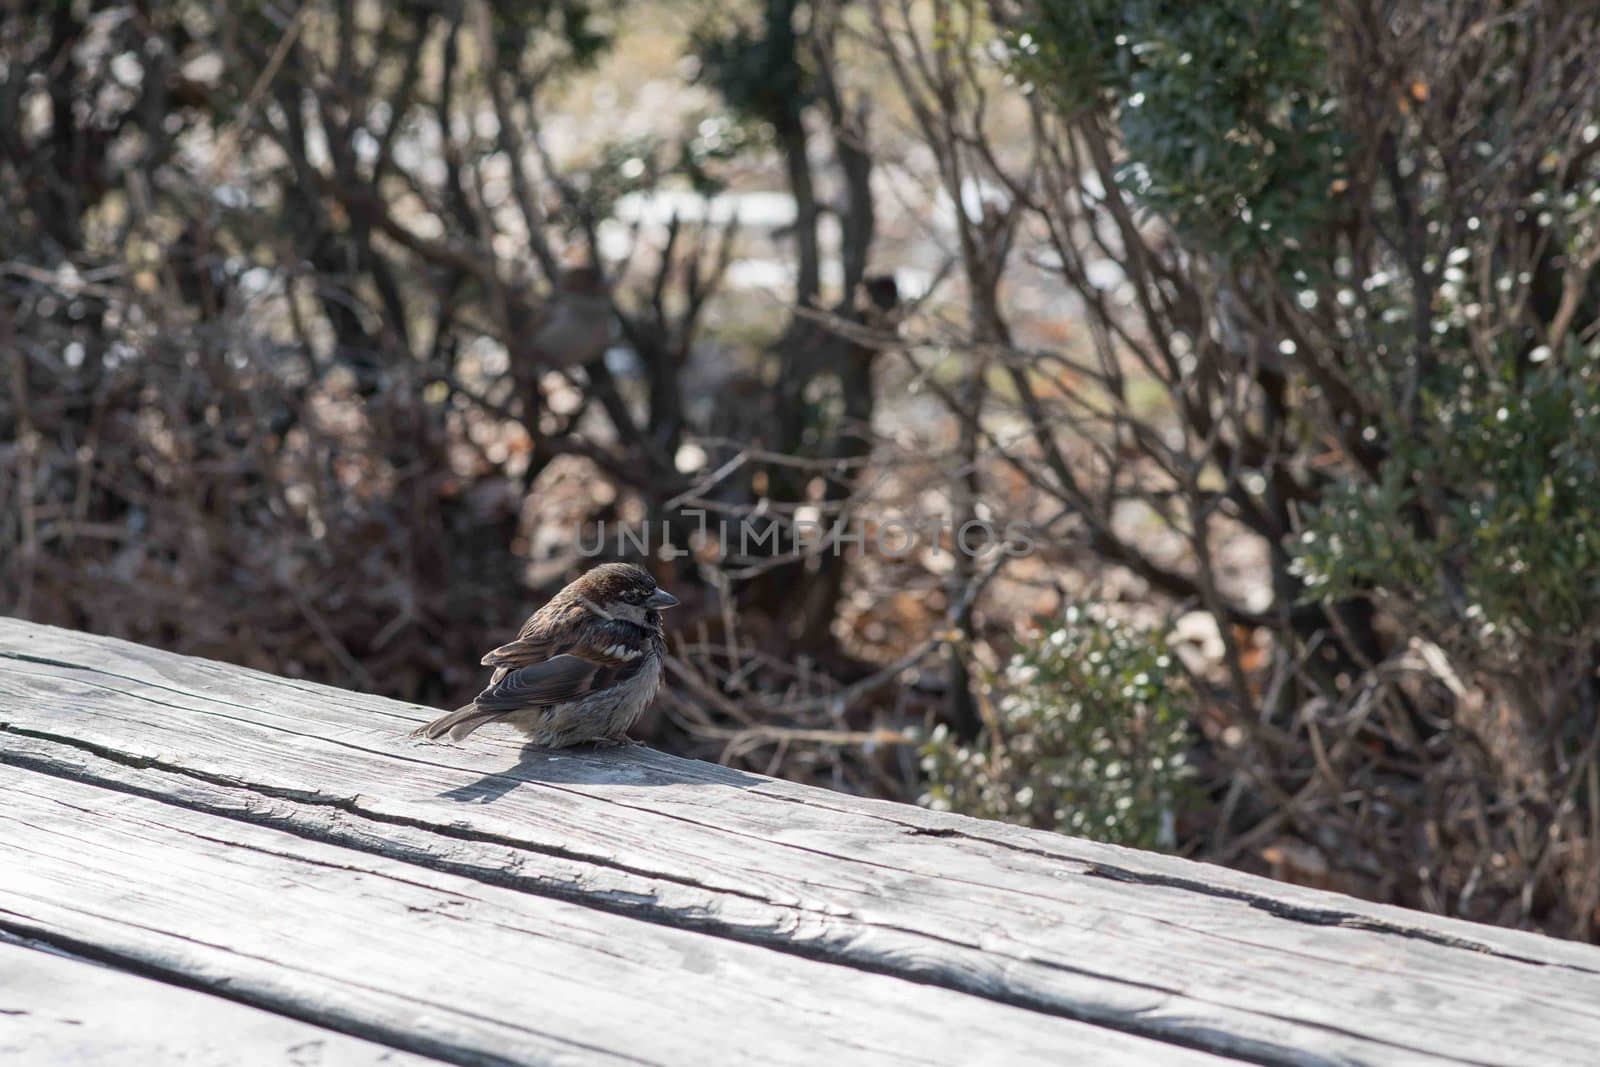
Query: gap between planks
[455, 969]
[60, 1007]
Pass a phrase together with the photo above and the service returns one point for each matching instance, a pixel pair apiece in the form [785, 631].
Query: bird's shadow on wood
[628, 765]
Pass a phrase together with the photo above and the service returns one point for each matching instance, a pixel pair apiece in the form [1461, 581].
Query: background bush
[1367, 319]
[1089, 737]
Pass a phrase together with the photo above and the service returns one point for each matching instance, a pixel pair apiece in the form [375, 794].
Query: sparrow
[573, 327]
[582, 668]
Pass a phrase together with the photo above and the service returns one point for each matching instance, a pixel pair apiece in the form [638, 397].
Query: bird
[582, 668]
[573, 327]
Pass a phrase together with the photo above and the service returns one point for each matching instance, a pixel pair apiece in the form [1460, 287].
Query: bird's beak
[661, 599]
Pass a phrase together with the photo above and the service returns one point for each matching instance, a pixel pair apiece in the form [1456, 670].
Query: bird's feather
[546, 634]
[457, 724]
[589, 666]
[552, 682]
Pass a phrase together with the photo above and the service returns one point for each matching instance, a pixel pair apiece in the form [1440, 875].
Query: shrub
[1088, 738]
[1351, 250]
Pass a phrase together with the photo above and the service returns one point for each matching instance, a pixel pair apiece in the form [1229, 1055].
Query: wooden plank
[457, 969]
[1152, 945]
[59, 1010]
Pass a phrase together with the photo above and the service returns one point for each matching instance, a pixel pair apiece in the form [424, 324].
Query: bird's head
[622, 591]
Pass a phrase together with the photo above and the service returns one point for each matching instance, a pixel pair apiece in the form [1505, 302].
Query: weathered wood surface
[57, 1009]
[288, 847]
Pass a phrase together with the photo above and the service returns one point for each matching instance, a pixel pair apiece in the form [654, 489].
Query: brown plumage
[582, 668]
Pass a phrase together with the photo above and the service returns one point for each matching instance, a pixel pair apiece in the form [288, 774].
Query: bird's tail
[458, 724]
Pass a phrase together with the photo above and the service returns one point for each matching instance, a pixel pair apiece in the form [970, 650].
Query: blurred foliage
[1357, 257]
[296, 369]
[1480, 522]
[757, 64]
[1225, 109]
[585, 29]
[717, 140]
[229, 421]
[1485, 512]
[1236, 122]
[1092, 730]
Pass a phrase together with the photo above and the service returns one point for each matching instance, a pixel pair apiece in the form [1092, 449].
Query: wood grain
[456, 969]
[1164, 949]
[59, 1010]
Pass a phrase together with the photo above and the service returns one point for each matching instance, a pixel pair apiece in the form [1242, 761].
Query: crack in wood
[153, 970]
[477, 971]
[1276, 908]
[641, 908]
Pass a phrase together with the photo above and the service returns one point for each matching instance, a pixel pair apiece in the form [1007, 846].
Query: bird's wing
[555, 681]
[569, 676]
[523, 652]
[546, 634]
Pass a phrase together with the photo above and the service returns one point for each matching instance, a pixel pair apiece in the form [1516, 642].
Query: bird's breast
[640, 689]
